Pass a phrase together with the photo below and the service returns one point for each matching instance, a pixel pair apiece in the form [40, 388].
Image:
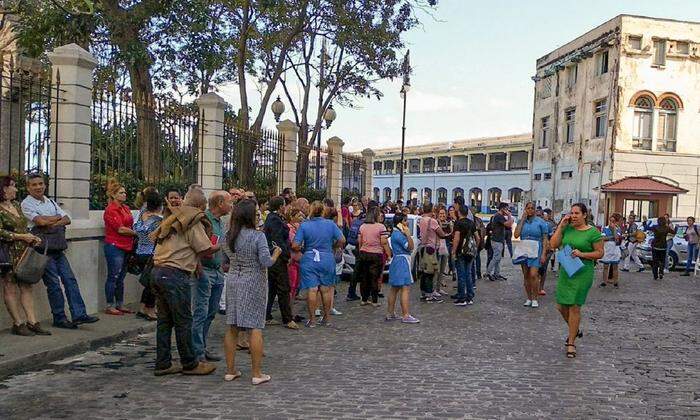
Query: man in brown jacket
[181, 240]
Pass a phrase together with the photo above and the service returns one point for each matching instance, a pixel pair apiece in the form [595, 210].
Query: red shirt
[117, 216]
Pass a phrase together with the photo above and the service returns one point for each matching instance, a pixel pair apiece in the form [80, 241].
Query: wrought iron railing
[29, 98]
[142, 141]
[353, 179]
[252, 159]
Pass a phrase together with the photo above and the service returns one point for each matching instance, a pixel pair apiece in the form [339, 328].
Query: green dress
[573, 290]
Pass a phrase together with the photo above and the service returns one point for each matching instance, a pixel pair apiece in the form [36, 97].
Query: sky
[472, 62]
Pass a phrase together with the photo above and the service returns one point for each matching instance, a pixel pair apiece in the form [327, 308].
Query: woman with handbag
[533, 232]
[148, 220]
[14, 239]
[119, 241]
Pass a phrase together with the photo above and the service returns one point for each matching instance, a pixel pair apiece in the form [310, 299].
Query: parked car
[678, 254]
[349, 256]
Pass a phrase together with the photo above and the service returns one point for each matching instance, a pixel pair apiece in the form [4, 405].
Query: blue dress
[400, 267]
[317, 266]
[534, 229]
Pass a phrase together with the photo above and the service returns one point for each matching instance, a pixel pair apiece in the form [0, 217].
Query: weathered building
[620, 102]
[485, 171]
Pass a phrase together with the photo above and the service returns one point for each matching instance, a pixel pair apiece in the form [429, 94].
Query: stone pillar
[210, 160]
[71, 123]
[289, 132]
[368, 155]
[334, 169]
[508, 161]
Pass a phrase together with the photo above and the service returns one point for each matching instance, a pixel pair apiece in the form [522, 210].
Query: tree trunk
[146, 123]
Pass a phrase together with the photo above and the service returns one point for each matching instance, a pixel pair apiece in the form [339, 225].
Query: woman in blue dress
[316, 238]
[533, 232]
[612, 237]
[400, 277]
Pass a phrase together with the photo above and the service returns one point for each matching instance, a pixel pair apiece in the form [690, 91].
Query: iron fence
[353, 176]
[321, 154]
[28, 99]
[252, 159]
[142, 141]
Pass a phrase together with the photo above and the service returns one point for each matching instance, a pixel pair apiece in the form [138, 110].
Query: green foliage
[311, 194]
[132, 184]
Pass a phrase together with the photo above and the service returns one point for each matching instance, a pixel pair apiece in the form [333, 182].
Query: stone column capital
[288, 126]
[368, 153]
[335, 144]
[211, 100]
[72, 54]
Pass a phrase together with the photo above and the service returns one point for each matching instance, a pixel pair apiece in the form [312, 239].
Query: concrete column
[71, 124]
[368, 155]
[289, 132]
[488, 161]
[210, 160]
[334, 169]
[507, 161]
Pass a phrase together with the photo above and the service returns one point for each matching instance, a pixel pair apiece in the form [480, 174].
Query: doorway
[641, 208]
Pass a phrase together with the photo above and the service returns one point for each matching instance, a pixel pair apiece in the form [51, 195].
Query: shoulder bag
[53, 238]
[31, 266]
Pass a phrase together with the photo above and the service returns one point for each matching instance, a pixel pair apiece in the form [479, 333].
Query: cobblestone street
[639, 358]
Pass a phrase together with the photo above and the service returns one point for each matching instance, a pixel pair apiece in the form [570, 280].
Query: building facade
[485, 171]
[620, 103]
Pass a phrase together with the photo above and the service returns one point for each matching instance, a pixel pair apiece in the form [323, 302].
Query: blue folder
[570, 264]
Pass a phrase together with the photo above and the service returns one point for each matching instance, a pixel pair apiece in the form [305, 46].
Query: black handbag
[5, 257]
[53, 238]
[145, 277]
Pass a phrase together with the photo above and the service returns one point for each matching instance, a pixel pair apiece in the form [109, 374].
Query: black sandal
[570, 354]
[578, 335]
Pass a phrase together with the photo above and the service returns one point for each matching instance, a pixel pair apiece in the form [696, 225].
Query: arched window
[427, 195]
[442, 195]
[457, 192]
[475, 198]
[494, 197]
[666, 129]
[375, 193]
[387, 194]
[413, 196]
[515, 195]
[643, 116]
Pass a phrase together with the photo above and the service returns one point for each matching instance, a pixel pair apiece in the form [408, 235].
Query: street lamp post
[328, 117]
[404, 91]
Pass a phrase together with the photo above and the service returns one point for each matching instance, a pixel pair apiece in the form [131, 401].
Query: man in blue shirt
[47, 220]
[208, 287]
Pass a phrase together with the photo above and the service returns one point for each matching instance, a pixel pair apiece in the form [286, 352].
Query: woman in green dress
[14, 238]
[587, 244]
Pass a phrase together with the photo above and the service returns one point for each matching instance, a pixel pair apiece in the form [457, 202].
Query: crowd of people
[194, 262]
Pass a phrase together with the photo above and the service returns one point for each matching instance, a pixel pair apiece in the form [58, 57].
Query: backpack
[355, 231]
[470, 248]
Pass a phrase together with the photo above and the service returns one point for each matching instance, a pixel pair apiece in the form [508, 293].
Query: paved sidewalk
[30, 353]
[639, 358]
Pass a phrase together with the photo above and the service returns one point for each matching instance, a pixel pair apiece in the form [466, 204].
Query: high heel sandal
[578, 335]
[570, 354]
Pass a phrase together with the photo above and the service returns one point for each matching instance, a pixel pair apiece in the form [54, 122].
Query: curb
[41, 360]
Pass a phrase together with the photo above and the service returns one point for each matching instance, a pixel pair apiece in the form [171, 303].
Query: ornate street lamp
[328, 116]
[277, 108]
[406, 70]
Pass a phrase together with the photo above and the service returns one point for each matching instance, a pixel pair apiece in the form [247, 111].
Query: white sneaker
[527, 303]
[666, 271]
[335, 312]
[318, 312]
[535, 304]
[436, 295]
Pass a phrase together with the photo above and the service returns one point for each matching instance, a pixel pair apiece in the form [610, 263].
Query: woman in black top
[658, 247]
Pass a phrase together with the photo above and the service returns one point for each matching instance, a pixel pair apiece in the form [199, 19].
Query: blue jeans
[465, 281]
[206, 293]
[58, 271]
[692, 255]
[476, 266]
[116, 271]
[173, 301]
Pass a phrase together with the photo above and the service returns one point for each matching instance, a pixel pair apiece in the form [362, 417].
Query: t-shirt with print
[498, 228]
[371, 237]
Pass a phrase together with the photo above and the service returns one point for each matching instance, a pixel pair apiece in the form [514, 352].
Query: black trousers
[658, 259]
[352, 289]
[368, 269]
[147, 297]
[278, 285]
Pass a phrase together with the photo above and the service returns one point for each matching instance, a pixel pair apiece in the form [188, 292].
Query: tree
[351, 46]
